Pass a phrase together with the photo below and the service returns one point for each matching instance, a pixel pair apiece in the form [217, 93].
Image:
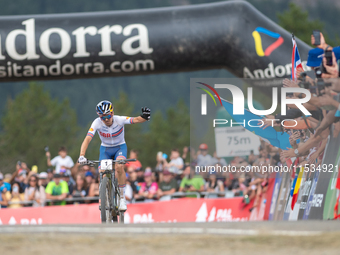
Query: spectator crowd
[177, 175]
[68, 183]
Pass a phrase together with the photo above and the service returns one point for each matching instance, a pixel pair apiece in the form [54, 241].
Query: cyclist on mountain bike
[110, 128]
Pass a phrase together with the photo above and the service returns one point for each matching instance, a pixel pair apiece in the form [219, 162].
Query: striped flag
[290, 161]
[296, 187]
[296, 61]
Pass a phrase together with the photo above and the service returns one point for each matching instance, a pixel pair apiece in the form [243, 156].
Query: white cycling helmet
[104, 107]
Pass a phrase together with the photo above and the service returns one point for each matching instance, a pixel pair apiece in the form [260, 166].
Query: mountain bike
[109, 194]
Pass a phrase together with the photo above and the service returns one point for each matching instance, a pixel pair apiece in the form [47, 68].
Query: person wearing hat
[89, 177]
[43, 181]
[110, 128]
[57, 190]
[168, 186]
[203, 158]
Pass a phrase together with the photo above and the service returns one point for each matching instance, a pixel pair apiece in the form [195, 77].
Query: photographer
[62, 161]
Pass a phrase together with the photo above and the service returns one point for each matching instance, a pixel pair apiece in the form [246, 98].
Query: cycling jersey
[113, 135]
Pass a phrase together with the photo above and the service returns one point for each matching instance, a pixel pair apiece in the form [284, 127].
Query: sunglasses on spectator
[106, 117]
[33, 180]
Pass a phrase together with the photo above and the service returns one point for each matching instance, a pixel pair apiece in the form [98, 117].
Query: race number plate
[106, 164]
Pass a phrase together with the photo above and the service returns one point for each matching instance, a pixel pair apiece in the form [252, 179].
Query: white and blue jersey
[113, 135]
[113, 141]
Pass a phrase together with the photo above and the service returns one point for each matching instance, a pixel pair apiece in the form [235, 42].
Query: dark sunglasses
[33, 180]
[106, 117]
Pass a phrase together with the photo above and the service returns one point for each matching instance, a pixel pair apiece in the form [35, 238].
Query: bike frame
[113, 190]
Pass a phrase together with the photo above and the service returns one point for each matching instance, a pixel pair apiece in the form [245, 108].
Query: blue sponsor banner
[311, 194]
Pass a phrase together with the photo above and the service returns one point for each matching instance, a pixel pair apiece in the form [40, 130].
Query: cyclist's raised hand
[146, 113]
[82, 160]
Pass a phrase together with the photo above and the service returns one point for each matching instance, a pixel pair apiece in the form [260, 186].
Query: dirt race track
[304, 237]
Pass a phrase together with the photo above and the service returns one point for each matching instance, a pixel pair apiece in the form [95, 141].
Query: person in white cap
[43, 179]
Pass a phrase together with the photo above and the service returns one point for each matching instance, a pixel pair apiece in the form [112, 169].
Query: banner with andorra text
[232, 35]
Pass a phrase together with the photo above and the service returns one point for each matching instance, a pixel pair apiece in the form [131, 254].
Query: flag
[297, 184]
[270, 135]
[290, 161]
[296, 61]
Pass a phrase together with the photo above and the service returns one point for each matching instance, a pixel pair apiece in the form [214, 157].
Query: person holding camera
[160, 158]
[332, 70]
[62, 161]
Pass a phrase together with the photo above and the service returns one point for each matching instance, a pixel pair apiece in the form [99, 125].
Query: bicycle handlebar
[119, 161]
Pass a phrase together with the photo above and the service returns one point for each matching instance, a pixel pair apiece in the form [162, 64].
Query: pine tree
[31, 121]
[296, 21]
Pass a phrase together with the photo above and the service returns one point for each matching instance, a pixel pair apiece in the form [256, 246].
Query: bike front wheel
[121, 217]
[105, 201]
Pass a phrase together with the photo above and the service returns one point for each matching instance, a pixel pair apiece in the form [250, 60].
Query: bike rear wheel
[105, 201]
